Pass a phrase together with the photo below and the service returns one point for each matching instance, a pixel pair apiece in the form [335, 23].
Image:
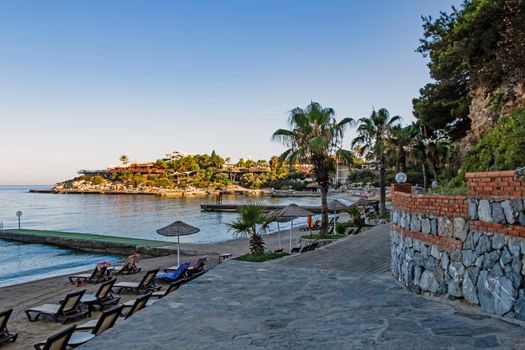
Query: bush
[261, 257]
[97, 180]
[340, 227]
[502, 148]
[364, 176]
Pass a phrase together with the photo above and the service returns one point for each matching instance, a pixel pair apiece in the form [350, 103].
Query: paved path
[367, 252]
[291, 305]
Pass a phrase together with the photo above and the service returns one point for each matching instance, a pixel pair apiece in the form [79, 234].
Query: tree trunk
[403, 162]
[382, 189]
[424, 170]
[324, 209]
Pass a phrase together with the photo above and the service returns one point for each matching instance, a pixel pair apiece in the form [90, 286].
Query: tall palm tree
[372, 137]
[316, 137]
[245, 225]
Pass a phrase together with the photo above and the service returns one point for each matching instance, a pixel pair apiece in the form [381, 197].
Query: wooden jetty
[235, 207]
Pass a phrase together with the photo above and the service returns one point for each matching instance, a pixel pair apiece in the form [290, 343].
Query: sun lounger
[174, 276]
[147, 284]
[129, 267]
[136, 305]
[105, 322]
[98, 275]
[57, 341]
[312, 246]
[195, 267]
[68, 309]
[5, 335]
[101, 298]
[305, 248]
[171, 288]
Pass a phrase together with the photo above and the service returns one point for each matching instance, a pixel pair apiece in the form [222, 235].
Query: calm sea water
[118, 215]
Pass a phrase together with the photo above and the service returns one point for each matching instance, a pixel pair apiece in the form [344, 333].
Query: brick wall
[466, 247]
[447, 243]
[439, 205]
[495, 184]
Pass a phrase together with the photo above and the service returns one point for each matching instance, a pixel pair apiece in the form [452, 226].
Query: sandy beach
[26, 295]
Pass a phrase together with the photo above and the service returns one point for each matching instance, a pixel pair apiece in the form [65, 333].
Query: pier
[94, 243]
[235, 207]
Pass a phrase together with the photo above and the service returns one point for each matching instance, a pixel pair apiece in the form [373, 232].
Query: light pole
[19, 214]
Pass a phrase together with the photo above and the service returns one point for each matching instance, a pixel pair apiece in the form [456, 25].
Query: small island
[179, 174]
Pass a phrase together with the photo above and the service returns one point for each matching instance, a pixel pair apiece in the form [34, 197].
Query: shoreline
[52, 289]
[155, 191]
[236, 246]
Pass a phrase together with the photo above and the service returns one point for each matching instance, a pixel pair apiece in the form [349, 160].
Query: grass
[93, 237]
[318, 236]
[261, 257]
[450, 190]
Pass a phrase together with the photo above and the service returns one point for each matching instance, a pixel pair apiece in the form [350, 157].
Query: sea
[137, 216]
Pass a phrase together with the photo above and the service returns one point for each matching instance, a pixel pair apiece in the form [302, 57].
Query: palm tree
[418, 149]
[399, 144]
[315, 137]
[372, 137]
[245, 225]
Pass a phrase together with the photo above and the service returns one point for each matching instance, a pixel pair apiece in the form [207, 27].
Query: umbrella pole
[291, 233]
[335, 220]
[279, 234]
[178, 250]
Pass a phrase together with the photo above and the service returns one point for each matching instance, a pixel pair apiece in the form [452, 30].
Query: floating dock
[92, 242]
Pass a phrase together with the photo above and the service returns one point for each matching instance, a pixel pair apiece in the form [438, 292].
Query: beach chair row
[78, 305]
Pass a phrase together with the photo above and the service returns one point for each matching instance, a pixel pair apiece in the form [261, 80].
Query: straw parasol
[178, 228]
[360, 202]
[336, 205]
[293, 211]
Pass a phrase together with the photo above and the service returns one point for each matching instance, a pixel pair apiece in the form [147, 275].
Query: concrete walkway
[337, 297]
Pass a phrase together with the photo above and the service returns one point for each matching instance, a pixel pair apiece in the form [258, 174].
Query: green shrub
[502, 148]
[340, 227]
[97, 180]
[318, 236]
[364, 176]
[261, 256]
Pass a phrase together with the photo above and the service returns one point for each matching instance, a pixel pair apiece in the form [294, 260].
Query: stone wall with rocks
[465, 247]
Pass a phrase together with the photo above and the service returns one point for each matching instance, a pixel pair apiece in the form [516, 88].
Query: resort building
[142, 168]
[175, 155]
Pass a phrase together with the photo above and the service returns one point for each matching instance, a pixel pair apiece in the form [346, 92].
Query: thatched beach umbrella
[361, 202]
[293, 211]
[178, 228]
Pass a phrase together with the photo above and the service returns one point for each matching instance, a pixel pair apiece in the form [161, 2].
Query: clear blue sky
[82, 82]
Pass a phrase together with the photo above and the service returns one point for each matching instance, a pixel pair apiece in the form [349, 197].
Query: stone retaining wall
[465, 247]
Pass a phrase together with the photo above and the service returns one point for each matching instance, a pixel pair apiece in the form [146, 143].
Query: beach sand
[26, 295]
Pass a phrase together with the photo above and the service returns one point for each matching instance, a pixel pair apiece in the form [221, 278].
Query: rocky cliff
[485, 109]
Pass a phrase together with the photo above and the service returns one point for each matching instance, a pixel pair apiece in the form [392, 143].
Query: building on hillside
[142, 168]
[175, 155]
[342, 172]
[372, 165]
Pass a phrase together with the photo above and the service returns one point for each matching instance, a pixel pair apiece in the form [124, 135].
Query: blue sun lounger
[176, 275]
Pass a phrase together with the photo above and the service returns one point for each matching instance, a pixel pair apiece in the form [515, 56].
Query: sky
[83, 82]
